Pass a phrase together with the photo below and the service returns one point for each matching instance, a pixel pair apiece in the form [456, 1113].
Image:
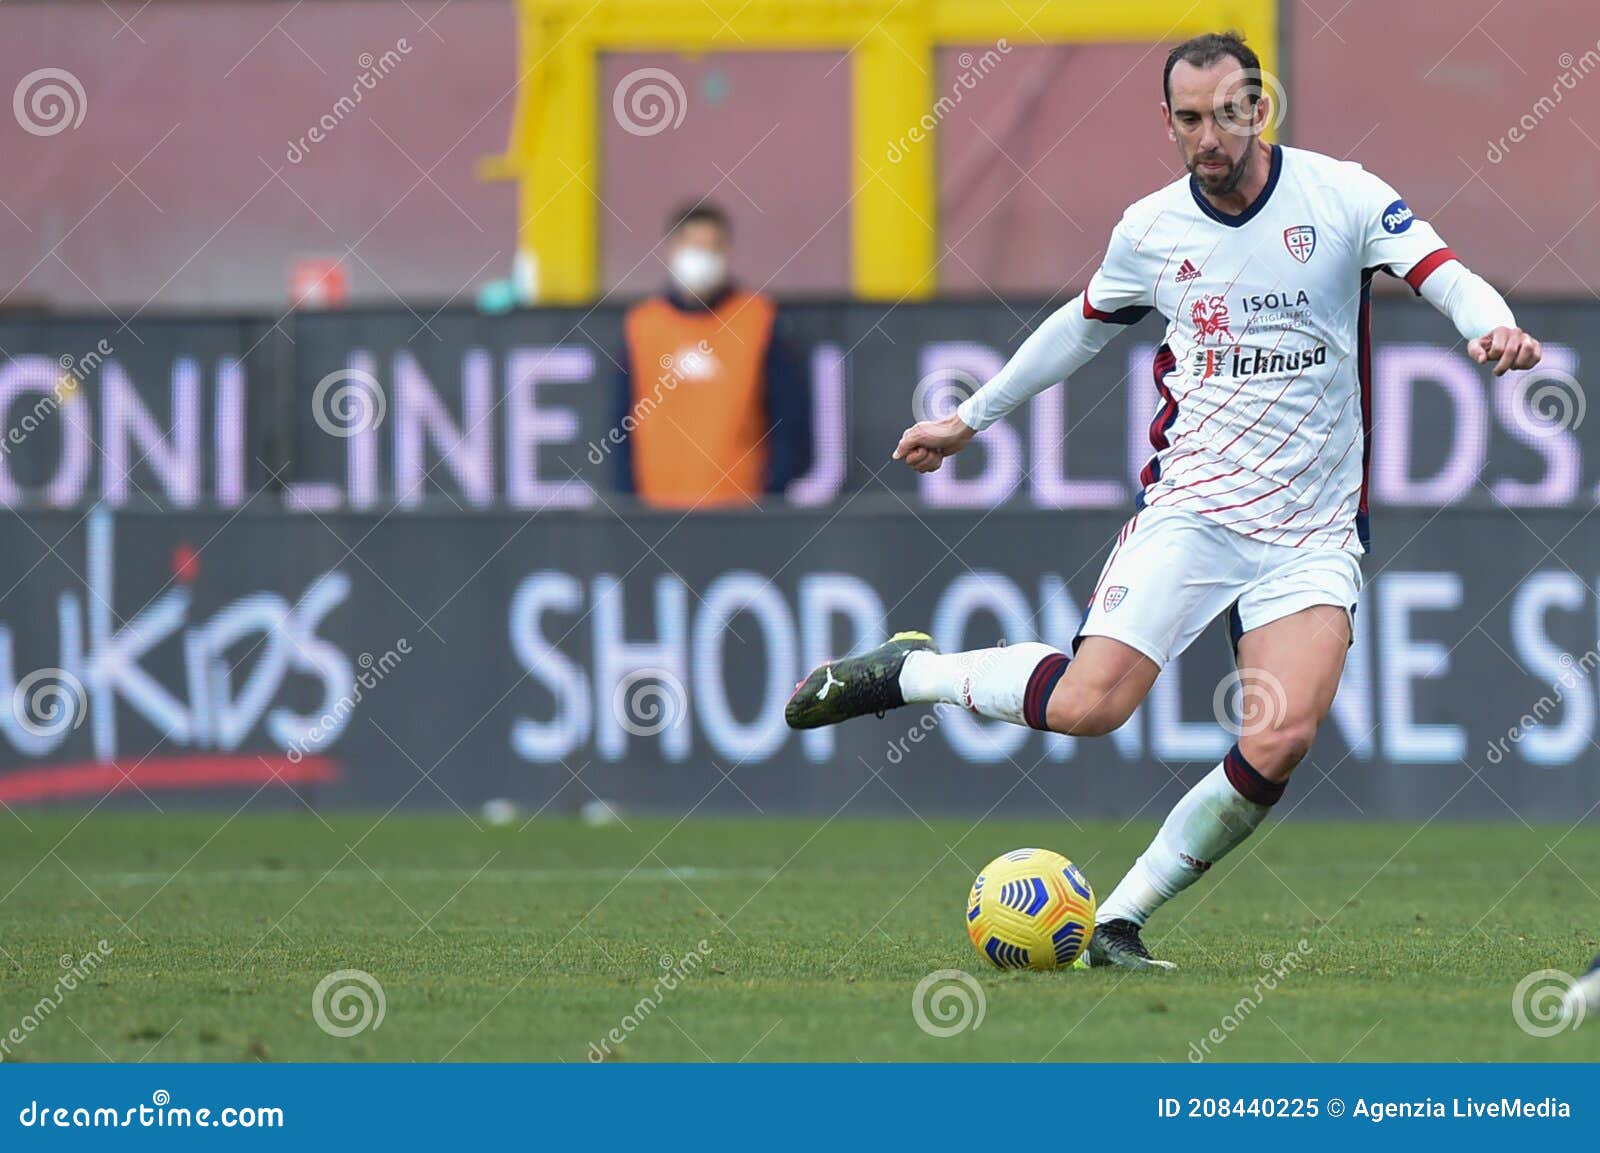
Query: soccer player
[1255, 502]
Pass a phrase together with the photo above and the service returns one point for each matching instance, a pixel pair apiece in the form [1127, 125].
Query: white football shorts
[1172, 572]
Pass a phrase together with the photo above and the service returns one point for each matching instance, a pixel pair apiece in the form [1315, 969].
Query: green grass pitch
[536, 942]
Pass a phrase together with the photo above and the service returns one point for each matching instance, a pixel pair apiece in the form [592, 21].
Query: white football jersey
[1264, 377]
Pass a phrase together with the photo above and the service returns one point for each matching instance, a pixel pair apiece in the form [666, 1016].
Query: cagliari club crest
[1114, 596]
[1301, 241]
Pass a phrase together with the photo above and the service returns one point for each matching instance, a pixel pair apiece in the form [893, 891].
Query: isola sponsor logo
[1260, 301]
[1397, 218]
[1281, 309]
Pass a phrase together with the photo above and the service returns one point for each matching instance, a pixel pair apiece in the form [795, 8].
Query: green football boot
[1116, 943]
[855, 686]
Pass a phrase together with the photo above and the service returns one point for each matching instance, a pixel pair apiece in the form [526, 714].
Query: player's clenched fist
[925, 444]
[1508, 347]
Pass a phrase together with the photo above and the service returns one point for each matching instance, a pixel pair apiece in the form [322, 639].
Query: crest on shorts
[1301, 241]
[1114, 596]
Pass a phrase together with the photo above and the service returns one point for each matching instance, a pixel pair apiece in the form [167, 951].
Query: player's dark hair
[1204, 51]
[700, 212]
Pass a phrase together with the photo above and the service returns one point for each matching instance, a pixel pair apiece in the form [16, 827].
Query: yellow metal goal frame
[554, 152]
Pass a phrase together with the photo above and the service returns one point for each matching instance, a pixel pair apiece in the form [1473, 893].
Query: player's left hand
[1508, 348]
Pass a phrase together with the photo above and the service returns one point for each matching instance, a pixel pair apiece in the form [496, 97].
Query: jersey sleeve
[1391, 236]
[1119, 294]
[1122, 290]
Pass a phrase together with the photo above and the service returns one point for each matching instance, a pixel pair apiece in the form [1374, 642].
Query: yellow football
[1031, 909]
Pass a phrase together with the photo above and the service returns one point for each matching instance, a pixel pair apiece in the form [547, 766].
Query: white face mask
[698, 271]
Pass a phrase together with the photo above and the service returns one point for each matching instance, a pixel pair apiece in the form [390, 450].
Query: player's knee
[1277, 749]
[1081, 709]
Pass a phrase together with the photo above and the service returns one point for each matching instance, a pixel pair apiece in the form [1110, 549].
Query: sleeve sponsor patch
[1397, 218]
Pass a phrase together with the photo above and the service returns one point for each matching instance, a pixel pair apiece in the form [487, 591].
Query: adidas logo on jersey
[1186, 272]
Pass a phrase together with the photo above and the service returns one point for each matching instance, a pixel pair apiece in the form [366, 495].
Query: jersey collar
[1233, 220]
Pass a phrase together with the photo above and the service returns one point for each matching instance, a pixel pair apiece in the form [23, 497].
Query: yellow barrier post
[554, 147]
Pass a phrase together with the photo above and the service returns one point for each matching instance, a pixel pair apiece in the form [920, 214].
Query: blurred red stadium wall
[180, 188]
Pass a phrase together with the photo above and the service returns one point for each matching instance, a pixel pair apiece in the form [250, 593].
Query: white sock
[1212, 819]
[991, 682]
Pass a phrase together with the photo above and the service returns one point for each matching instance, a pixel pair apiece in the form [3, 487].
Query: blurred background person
[710, 395]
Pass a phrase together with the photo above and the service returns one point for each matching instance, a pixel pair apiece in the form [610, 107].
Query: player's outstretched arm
[1481, 316]
[1065, 342]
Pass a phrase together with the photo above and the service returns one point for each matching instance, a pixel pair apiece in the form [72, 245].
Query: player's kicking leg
[1026, 684]
[1089, 694]
[1289, 672]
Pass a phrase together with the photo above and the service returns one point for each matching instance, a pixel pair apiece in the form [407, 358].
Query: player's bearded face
[1215, 115]
[1210, 162]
